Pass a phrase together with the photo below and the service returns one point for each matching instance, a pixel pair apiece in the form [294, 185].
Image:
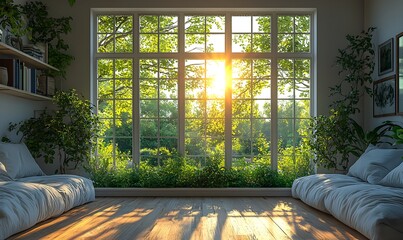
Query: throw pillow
[375, 164]
[3, 173]
[394, 177]
[18, 160]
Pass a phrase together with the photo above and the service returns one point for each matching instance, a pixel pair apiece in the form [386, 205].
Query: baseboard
[193, 192]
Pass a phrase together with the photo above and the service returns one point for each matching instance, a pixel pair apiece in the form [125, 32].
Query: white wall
[387, 17]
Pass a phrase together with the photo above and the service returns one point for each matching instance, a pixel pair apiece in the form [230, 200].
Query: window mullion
[274, 101]
[136, 92]
[181, 85]
[228, 92]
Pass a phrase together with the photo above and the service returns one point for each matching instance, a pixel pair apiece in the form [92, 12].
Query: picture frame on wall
[385, 57]
[399, 72]
[384, 99]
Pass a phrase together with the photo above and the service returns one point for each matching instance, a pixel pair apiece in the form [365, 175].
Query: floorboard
[192, 218]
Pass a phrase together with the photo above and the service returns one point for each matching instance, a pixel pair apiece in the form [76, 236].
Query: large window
[227, 85]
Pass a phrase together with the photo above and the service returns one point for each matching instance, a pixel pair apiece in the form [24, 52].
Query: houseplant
[11, 19]
[337, 137]
[70, 131]
[51, 31]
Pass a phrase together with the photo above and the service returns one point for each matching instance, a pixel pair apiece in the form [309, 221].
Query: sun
[216, 78]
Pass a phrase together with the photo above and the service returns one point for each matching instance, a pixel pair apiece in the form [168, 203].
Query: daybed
[369, 198]
[27, 196]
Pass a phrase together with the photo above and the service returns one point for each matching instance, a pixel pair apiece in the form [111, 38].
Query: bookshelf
[8, 51]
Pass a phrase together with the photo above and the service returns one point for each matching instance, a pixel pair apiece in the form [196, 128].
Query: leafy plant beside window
[70, 131]
[50, 30]
[11, 18]
[337, 137]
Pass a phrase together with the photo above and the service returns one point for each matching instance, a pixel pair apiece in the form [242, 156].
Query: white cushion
[3, 173]
[394, 177]
[375, 164]
[18, 160]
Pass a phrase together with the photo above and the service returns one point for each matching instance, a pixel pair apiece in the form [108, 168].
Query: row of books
[20, 76]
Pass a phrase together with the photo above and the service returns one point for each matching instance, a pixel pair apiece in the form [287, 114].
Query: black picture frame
[385, 57]
[384, 99]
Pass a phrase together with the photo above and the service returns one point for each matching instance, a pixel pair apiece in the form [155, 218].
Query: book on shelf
[20, 76]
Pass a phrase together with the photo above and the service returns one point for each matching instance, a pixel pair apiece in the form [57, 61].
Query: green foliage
[11, 18]
[70, 131]
[50, 30]
[397, 134]
[337, 137]
[182, 172]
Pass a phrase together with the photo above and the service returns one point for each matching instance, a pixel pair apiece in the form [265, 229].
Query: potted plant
[49, 30]
[11, 19]
[70, 131]
[337, 137]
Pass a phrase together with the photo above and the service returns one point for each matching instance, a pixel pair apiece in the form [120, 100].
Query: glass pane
[194, 69]
[286, 128]
[195, 89]
[123, 89]
[147, 146]
[123, 68]
[215, 24]
[302, 24]
[261, 146]
[285, 24]
[241, 24]
[149, 108]
[215, 43]
[105, 43]
[148, 24]
[241, 68]
[302, 43]
[149, 43]
[261, 43]
[170, 144]
[105, 109]
[261, 24]
[241, 89]
[285, 88]
[194, 24]
[148, 88]
[123, 108]
[194, 128]
[302, 108]
[241, 146]
[106, 127]
[302, 88]
[124, 24]
[261, 89]
[241, 108]
[195, 146]
[302, 126]
[261, 68]
[241, 42]
[169, 89]
[168, 43]
[105, 68]
[215, 108]
[168, 68]
[241, 127]
[124, 43]
[105, 24]
[302, 68]
[105, 89]
[261, 109]
[195, 42]
[262, 128]
[148, 127]
[194, 108]
[285, 108]
[168, 109]
[124, 127]
[168, 127]
[286, 68]
[285, 43]
[148, 68]
[168, 24]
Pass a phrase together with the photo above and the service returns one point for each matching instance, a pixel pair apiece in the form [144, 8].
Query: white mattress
[22, 205]
[75, 190]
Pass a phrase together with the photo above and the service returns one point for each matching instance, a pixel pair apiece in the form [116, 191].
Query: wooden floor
[192, 218]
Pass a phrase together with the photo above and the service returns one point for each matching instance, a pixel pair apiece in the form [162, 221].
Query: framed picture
[385, 97]
[385, 57]
[399, 72]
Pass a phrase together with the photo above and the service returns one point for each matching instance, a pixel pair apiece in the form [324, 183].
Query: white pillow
[3, 173]
[375, 164]
[18, 160]
[394, 178]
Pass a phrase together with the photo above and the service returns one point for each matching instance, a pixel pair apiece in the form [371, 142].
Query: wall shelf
[29, 60]
[7, 51]
[23, 94]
